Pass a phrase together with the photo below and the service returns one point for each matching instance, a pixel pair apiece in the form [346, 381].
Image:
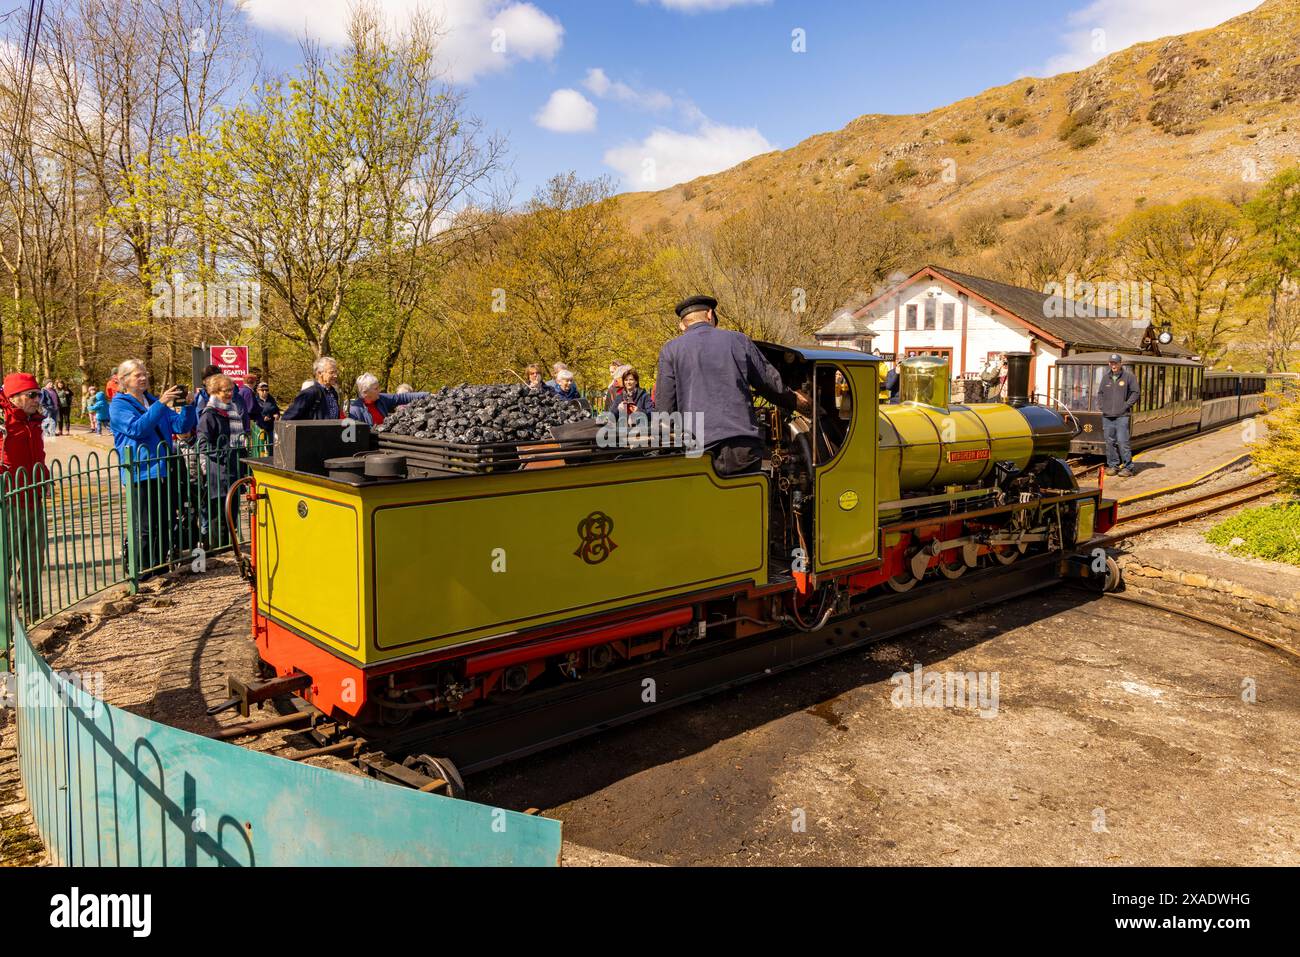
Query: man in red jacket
[22, 462]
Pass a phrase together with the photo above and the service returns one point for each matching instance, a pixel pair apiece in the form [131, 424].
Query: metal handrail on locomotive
[407, 590]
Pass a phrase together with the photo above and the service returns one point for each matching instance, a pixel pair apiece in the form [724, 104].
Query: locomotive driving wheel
[907, 580]
[952, 570]
[1006, 554]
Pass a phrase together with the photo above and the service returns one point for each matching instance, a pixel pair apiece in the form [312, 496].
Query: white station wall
[986, 332]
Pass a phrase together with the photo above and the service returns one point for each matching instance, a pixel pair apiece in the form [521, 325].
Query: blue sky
[687, 87]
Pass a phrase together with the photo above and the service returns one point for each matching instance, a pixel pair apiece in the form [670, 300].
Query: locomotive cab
[823, 465]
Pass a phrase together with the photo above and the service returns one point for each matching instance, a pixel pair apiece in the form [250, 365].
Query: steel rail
[1193, 616]
[1179, 518]
[1183, 503]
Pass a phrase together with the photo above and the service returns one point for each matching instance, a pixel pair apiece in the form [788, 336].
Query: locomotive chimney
[1017, 378]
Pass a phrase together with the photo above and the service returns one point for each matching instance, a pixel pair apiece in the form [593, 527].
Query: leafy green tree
[564, 280]
[359, 169]
[1198, 257]
[1279, 451]
[1274, 212]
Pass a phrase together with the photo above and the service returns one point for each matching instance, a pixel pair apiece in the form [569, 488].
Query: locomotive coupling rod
[244, 694]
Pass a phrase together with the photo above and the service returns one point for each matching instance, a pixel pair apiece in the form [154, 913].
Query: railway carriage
[1178, 398]
[432, 593]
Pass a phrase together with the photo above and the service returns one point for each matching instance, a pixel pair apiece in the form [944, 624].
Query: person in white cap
[564, 386]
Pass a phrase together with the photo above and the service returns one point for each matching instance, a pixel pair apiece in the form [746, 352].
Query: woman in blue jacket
[143, 426]
[98, 412]
[372, 406]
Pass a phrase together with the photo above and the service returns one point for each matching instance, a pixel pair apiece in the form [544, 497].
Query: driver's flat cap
[695, 304]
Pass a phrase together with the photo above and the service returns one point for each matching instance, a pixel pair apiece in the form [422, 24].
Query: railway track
[1189, 509]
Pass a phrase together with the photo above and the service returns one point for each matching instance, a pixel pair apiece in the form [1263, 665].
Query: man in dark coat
[707, 373]
[1115, 400]
[265, 411]
[320, 400]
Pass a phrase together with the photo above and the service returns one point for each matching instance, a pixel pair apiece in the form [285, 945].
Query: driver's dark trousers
[738, 456]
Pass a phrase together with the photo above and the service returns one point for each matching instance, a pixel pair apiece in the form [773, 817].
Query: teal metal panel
[109, 788]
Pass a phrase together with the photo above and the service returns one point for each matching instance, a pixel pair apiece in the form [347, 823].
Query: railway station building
[971, 321]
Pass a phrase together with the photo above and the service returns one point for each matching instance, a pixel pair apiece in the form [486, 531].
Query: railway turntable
[461, 606]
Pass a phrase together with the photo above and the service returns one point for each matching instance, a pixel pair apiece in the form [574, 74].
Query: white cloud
[1108, 26]
[707, 6]
[667, 157]
[567, 111]
[480, 36]
[599, 84]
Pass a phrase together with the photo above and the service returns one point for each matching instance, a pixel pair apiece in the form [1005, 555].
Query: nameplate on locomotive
[969, 455]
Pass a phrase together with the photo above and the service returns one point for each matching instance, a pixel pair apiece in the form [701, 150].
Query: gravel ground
[1120, 736]
[165, 655]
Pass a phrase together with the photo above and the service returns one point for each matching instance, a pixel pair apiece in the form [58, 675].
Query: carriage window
[1077, 386]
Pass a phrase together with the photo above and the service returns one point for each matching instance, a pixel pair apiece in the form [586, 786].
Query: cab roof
[819, 353]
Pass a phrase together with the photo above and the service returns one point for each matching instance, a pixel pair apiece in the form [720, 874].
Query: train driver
[706, 374]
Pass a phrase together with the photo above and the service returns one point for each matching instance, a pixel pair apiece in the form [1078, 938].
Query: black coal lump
[482, 414]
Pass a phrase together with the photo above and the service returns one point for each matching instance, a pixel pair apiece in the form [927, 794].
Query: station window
[949, 316]
[931, 308]
[911, 316]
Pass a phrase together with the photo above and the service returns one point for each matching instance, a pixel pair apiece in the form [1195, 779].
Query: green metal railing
[69, 531]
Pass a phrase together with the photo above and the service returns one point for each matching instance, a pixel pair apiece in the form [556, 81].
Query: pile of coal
[482, 415]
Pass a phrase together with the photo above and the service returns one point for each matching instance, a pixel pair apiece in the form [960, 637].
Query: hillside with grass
[1216, 111]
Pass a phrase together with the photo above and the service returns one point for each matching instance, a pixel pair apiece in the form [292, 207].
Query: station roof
[1030, 308]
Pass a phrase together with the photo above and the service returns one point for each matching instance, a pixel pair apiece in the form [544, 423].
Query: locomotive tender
[391, 601]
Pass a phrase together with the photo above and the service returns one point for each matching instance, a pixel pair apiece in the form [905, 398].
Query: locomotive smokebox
[925, 380]
[1018, 378]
